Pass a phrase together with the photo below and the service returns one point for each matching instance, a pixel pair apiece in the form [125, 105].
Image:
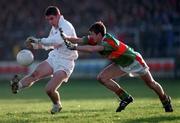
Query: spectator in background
[136, 14]
[16, 49]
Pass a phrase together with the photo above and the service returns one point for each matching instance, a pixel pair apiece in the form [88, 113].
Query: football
[25, 57]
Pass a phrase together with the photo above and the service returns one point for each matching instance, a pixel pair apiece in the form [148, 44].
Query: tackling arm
[90, 48]
[74, 39]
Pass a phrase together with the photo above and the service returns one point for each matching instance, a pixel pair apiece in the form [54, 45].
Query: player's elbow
[85, 49]
[90, 50]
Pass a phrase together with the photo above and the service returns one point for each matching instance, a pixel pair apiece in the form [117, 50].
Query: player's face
[53, 20]
[95, 37]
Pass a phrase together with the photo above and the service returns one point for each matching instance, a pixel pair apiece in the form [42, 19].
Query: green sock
[124, 95]
[165, 102]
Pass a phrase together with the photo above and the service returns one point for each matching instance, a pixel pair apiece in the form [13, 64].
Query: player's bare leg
[106, 78]
[166, 101]
[51, 90]
[42, 70]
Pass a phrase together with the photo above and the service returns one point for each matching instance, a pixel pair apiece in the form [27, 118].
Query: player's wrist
[37, 40]
[75, 47]
[72, 47]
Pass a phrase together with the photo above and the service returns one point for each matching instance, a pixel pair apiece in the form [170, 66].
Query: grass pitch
[87, 101]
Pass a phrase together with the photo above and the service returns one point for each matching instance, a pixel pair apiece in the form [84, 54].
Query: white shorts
[137, 68]
[58, 63]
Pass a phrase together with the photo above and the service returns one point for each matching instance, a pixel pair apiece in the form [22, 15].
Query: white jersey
[55, 38]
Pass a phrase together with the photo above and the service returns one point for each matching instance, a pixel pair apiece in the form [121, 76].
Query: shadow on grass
[86, 111]
[78, 115]
[156, 119]
[39, 116]
[30, 117]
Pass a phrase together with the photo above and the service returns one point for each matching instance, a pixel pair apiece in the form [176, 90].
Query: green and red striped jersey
[115, 50]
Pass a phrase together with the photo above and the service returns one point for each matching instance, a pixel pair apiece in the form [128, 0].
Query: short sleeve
[85, 39]
[88, 40]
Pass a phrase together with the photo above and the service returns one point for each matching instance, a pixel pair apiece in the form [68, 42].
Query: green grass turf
[87, 101]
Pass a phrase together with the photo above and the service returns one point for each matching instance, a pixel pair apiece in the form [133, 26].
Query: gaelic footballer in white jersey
[60, 62]
[60, 56]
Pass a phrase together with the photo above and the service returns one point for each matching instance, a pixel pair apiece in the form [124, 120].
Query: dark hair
[52, 10]
[98, 27]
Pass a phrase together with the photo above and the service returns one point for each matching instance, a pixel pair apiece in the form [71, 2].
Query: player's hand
[71, 46]
[32, 39]
[68, 44]
[28, 45]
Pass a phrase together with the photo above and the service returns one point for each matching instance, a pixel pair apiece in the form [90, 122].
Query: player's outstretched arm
[75, 40]
[90, 48]
[35, 43]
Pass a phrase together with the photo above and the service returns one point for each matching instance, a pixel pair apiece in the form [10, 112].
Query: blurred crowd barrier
[89, 68]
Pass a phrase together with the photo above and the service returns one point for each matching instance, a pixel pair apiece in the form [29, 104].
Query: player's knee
[102, 79]
[49, 91]
[99, 78]
[35, 75]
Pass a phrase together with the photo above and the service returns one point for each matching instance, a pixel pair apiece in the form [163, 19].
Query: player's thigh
[111, 71]
[43, 70]
[57, 79]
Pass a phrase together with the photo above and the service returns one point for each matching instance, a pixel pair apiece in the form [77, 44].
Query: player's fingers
[28, 45]
[30, 39]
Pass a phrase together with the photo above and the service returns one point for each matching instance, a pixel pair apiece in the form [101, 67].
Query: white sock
[20, 86]
[57, 105]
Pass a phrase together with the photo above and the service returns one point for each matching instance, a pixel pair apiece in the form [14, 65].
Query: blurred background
[151, 27]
